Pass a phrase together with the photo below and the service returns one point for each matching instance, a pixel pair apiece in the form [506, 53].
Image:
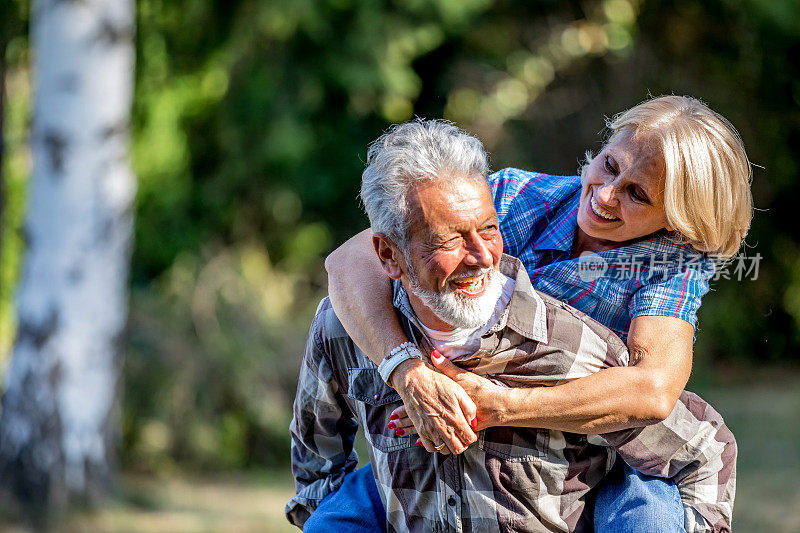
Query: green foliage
[13, 160]
[251, 122]
[215, 349]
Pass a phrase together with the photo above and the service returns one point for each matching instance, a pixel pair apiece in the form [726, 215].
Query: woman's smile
[623, 191]
[603, 215]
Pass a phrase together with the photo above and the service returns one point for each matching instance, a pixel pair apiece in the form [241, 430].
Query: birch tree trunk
[57, 428]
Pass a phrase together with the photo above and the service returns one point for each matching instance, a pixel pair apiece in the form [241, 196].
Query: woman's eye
[639, 197]
[609, 167]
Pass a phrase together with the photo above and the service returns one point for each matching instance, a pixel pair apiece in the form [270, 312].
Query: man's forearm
[322, 430]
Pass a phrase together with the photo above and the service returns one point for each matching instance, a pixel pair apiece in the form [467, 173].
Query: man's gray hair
[411, 153]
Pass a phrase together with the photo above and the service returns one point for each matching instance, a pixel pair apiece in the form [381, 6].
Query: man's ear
[388, 253]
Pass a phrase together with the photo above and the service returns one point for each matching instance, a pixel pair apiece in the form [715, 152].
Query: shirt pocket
[517, 462]
[515, 444]
[376, 401]
[611, 291]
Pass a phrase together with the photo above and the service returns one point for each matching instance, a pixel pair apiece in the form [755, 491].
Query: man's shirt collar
[525, 314]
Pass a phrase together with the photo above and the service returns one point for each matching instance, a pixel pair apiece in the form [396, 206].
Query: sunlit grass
[765, 418]
[230, 503]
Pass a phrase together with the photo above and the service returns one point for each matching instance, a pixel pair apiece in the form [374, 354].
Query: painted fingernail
[435, 355]
[393, 417]
[400, 432]
[391, 425]
[474, 422]
[418, 443]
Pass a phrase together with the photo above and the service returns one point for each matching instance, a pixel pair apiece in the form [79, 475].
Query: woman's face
[622, 196]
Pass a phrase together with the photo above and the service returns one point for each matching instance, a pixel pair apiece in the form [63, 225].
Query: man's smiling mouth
[472, 286]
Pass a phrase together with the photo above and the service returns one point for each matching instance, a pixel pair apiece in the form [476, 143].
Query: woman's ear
[389, 255]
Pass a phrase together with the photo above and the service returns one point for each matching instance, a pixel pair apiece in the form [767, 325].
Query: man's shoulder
[539, 316]
[572, 329]
[332, 342]
[326, 324]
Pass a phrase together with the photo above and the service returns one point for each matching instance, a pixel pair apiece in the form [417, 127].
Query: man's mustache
[470, 274]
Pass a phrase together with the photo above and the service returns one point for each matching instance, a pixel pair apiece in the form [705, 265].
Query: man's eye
[450, 244]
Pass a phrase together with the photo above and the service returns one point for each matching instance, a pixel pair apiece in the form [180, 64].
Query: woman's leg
[630, 502]
[356, 507]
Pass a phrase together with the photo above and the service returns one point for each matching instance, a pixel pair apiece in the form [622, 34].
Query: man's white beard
[453, 307]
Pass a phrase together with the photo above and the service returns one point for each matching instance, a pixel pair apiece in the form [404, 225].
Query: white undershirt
[466, 341]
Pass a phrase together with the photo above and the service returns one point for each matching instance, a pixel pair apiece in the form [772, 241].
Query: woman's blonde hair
[707, 195]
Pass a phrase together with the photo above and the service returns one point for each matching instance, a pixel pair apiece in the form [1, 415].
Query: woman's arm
[615, 398]
[612, 399]
[361, 296]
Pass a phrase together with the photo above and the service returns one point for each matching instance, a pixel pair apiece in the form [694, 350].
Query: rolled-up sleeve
[323, 430]
[678, 294]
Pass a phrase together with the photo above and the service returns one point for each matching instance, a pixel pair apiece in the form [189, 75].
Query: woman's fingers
[403, 427]
[403, 423]
[444, 366]
[400, 412]
[469, 381]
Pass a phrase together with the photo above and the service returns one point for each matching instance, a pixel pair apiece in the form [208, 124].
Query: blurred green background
[251, 121]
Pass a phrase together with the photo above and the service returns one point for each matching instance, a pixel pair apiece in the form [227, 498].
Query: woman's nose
[605, 193]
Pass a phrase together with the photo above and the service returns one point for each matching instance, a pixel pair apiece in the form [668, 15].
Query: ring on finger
[439, 447]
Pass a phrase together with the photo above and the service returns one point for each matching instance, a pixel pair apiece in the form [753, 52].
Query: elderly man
[456, 294]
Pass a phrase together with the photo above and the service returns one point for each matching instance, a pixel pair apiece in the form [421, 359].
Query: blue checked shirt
[656, 276]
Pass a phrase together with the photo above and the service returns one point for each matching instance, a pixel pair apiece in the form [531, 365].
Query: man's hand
[488, 398]
[437, 406]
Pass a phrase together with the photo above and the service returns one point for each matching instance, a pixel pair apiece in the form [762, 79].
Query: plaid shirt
[511, 479]
[655, 276]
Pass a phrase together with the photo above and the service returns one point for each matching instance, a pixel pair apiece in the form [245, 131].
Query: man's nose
[478, 253]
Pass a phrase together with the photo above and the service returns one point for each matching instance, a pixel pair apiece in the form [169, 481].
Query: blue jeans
[625, 502]
[628, 502]
[355, 508]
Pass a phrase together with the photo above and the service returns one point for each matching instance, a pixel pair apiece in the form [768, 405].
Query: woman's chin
[605, 236]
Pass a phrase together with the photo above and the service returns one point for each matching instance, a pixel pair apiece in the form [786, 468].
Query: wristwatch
[404, 352]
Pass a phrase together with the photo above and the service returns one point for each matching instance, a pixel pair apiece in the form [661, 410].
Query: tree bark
[57, 428]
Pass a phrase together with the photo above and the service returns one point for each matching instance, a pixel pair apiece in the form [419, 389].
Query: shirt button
[451, 501]
[376, 396]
